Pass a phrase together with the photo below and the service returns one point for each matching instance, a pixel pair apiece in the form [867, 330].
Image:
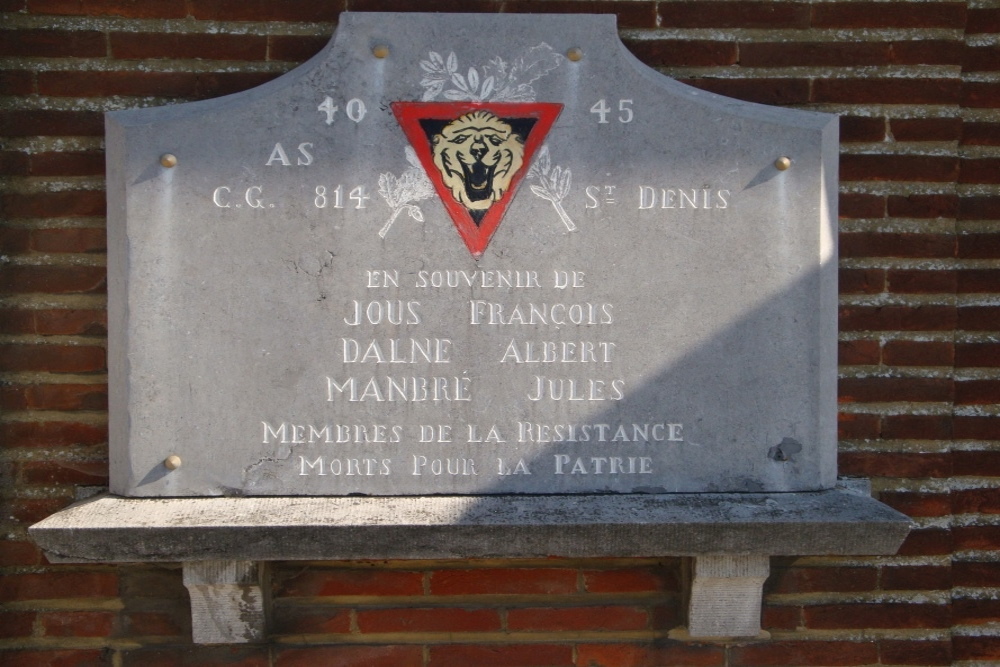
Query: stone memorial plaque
[467, 254]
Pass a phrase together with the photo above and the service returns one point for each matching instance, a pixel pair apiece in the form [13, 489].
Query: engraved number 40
[355, 109]
[602, 110]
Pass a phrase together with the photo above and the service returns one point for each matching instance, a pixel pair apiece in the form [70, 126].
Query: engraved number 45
[602, 110]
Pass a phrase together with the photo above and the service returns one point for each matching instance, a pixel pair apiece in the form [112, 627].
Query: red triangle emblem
[476, 154]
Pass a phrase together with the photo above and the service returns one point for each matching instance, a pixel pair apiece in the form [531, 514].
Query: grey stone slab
[293, 310]
[115, 529]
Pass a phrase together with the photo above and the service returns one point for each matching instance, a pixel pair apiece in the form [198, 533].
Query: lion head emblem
[477, 155]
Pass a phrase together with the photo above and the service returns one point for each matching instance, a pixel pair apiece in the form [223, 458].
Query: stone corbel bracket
[225, 543]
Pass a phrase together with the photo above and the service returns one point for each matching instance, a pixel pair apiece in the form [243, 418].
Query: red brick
[981, 59]
[55, 658]
[883, 615]
[862, 281]
[850, 427]
[903, 281]
[972, 281]
[979, 208]
[894, 15]
[923, 206]
[48, 322]
[975, 612]
[443, 6]
[874, 244]
[822, 579]
[649, 655]
[897, 318]
[780, 618]
[887, 91]
[77, 623]
[15, 553]
[979, 246]
[158, 624]
[16, 623]
[977, 392]
[207, 46]
[917, 504]
[501, 655]
[983, 20]
[104, 84]
[799, 653]
[978, 318]
[428, 620]
[32, 510]
[315, 582]
[763, 91]
[46, 123]
[13, 163]
[215, 84]
[893, 464]
[917, 652]
[928, 542]
[926, 129]
[503, 582]
[883, 389]
[970, 647]
[52, 358]
[976, 574]
[54, 397]
[202, 656]
[631, 580]
[927, 52]
[977, 354]
[971, 501]
[577, 619]
[734, 15]
[294, 48]
[861, 206]
[52, 434]
[973, 462]
[138, 9]
[687, 53]
[916, 578]
[980, 134]
[89, 163]
[53, 204]
[814, 54]
[52, 43]
[918, 353]
[980, 94]
[322, 620]
[979, 537]
[860, 128]
[58, 585]
[263, 10]
[977, 428]
[64, 472]
[17, 82]
[630, 14]
[76, 239]
[933, 168]
[857, 352]
[980, 170]
[54, 280]
[918, 427]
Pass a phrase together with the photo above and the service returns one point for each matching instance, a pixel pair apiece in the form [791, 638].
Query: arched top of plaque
[471, 254]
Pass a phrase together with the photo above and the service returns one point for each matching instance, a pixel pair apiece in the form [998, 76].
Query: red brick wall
[916, 85]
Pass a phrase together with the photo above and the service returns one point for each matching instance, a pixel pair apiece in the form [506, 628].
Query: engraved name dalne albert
[424, 264]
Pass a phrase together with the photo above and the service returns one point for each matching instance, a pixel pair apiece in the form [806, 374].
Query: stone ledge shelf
[224, 543]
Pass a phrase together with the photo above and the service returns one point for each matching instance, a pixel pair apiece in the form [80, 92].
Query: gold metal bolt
[168, 160]
[172, 462]
[783, 163]
[575, 54]
[380, 51]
